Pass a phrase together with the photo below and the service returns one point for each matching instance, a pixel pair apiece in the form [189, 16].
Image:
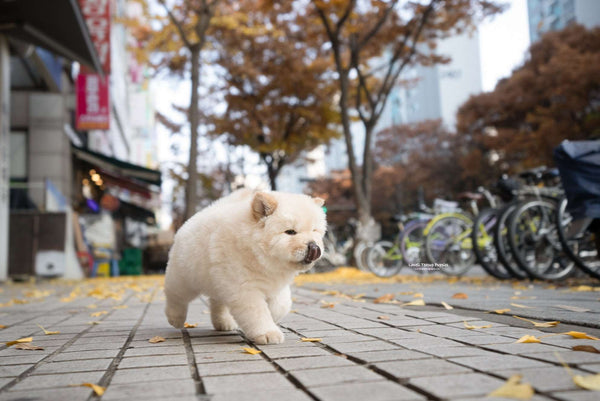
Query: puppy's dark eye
[291, 232]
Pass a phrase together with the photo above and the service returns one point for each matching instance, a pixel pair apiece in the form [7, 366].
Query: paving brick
[259, 395]
[153, 360]
[461, 385]
[73, 356]
[150, 374]
[200, 348]
[62, 380]
[313, 362]
[578, 358]
[580, 395]
[335, 375]
[545, 379]
[424, 342]
[11, 359]
[374, 345]
[419, 368]
[389, 355]
[234, 368]
[253, 382]
[373, 391]
[492, 363]
[292, 352]
[13, 370]
[74, 366]
[523, 348]
[63, 393]
[132, 391]
[450, 352]
[389, 333]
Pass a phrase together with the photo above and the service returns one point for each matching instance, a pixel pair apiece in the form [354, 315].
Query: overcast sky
[503, 42]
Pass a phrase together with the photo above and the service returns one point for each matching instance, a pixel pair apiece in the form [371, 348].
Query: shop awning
[56, 25]
[118, 167]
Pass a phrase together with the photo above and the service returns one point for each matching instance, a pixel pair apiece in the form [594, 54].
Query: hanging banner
[97, 18]
[93, 106]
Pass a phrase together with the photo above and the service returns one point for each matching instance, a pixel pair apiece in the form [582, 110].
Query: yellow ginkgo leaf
[20, 341]
[384, 299]
[589, 382]
[383, 317]
[48, 332]
[416, 302]
[418, 295]
[99, 313]
[120, 307]
[328, 305]
[28, 347]
[190, 325]
[2, 326]
[580, 335]
[528, 339]
[251, 351]
[513, 388]
[539, 324]
[470, 327]
[156, 339]
[500, 311]
[460, 295]
[445, 305]
[97, 389]
[311, 340]
[522, 306]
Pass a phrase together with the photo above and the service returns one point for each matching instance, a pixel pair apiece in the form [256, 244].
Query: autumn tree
[274, 82]
[554, 95]
[171, 36]
[371, 43]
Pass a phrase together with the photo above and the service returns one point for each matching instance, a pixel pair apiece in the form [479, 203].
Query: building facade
[554, 15]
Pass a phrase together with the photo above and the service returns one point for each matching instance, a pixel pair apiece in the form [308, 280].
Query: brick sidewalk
[412, 353]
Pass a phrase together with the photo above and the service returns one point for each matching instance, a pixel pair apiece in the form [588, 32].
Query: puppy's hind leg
[178, 300]
[220, 316]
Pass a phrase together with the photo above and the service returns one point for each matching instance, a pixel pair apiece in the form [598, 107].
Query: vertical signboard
[4, 154]
[93, 104]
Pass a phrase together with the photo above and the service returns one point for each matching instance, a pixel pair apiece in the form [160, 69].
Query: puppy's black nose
[312, 253]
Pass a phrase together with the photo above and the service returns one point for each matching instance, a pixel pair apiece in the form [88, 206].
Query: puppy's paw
[270, 337]
[225, 324]
[175, 317]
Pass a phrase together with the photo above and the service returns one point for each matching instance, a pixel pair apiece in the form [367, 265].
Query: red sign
[93, 106]
[97, 17]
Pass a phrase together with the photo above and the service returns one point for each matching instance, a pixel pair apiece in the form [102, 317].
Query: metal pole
[4, 154]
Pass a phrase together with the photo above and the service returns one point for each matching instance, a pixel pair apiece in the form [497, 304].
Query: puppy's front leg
[251, 312]
[281, 304]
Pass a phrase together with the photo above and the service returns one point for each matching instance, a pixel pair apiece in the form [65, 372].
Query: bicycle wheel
[579, 240]
[483, 244]
[360, 255]
[533, 238]
[505, 255]
[412, 245]
[384, 259]
[448, 245]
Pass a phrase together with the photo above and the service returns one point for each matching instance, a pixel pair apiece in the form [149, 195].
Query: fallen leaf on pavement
[580, 335]
[92, 306]
[99, 313]
[416, 302]
[572, 308]
[582, 288]
[513, 388]
[251, 351]
[384, 299]
[97, 389]
[190, 325]
[460, 295]
[120, 307]
[418, 295]
[539, 324]
[48, 332]
[94, 323]
[445, 305]
[522, 297]
[528, 339]
[499, 311]
[156, 339]
[327, 304]
[311, 340]
[589, 382]
[586, 348]
[20, 341]
[28, 347]
[2, 326]
[471, 327]
[522, 306]
[383, 317]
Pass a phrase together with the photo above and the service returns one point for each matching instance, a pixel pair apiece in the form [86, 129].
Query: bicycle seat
[470, 196]
[534, 174]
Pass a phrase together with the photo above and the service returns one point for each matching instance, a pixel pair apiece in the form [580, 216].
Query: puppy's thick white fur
[243, 252]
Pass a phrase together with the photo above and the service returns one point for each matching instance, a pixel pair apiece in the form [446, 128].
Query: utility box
[36, 243]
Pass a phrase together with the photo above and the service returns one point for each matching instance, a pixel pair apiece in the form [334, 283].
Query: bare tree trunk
[191, 187]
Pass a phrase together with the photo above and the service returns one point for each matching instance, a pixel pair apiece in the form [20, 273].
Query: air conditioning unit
[50, 263]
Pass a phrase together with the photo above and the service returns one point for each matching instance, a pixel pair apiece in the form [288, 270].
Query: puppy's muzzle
[312, 253]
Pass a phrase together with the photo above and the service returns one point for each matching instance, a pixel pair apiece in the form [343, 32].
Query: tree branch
[177, 24]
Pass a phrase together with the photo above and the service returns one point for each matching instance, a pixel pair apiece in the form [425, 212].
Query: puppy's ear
[263, 205]
[319, 201]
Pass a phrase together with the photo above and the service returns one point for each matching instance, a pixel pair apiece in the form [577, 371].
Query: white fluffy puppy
[243, 252]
